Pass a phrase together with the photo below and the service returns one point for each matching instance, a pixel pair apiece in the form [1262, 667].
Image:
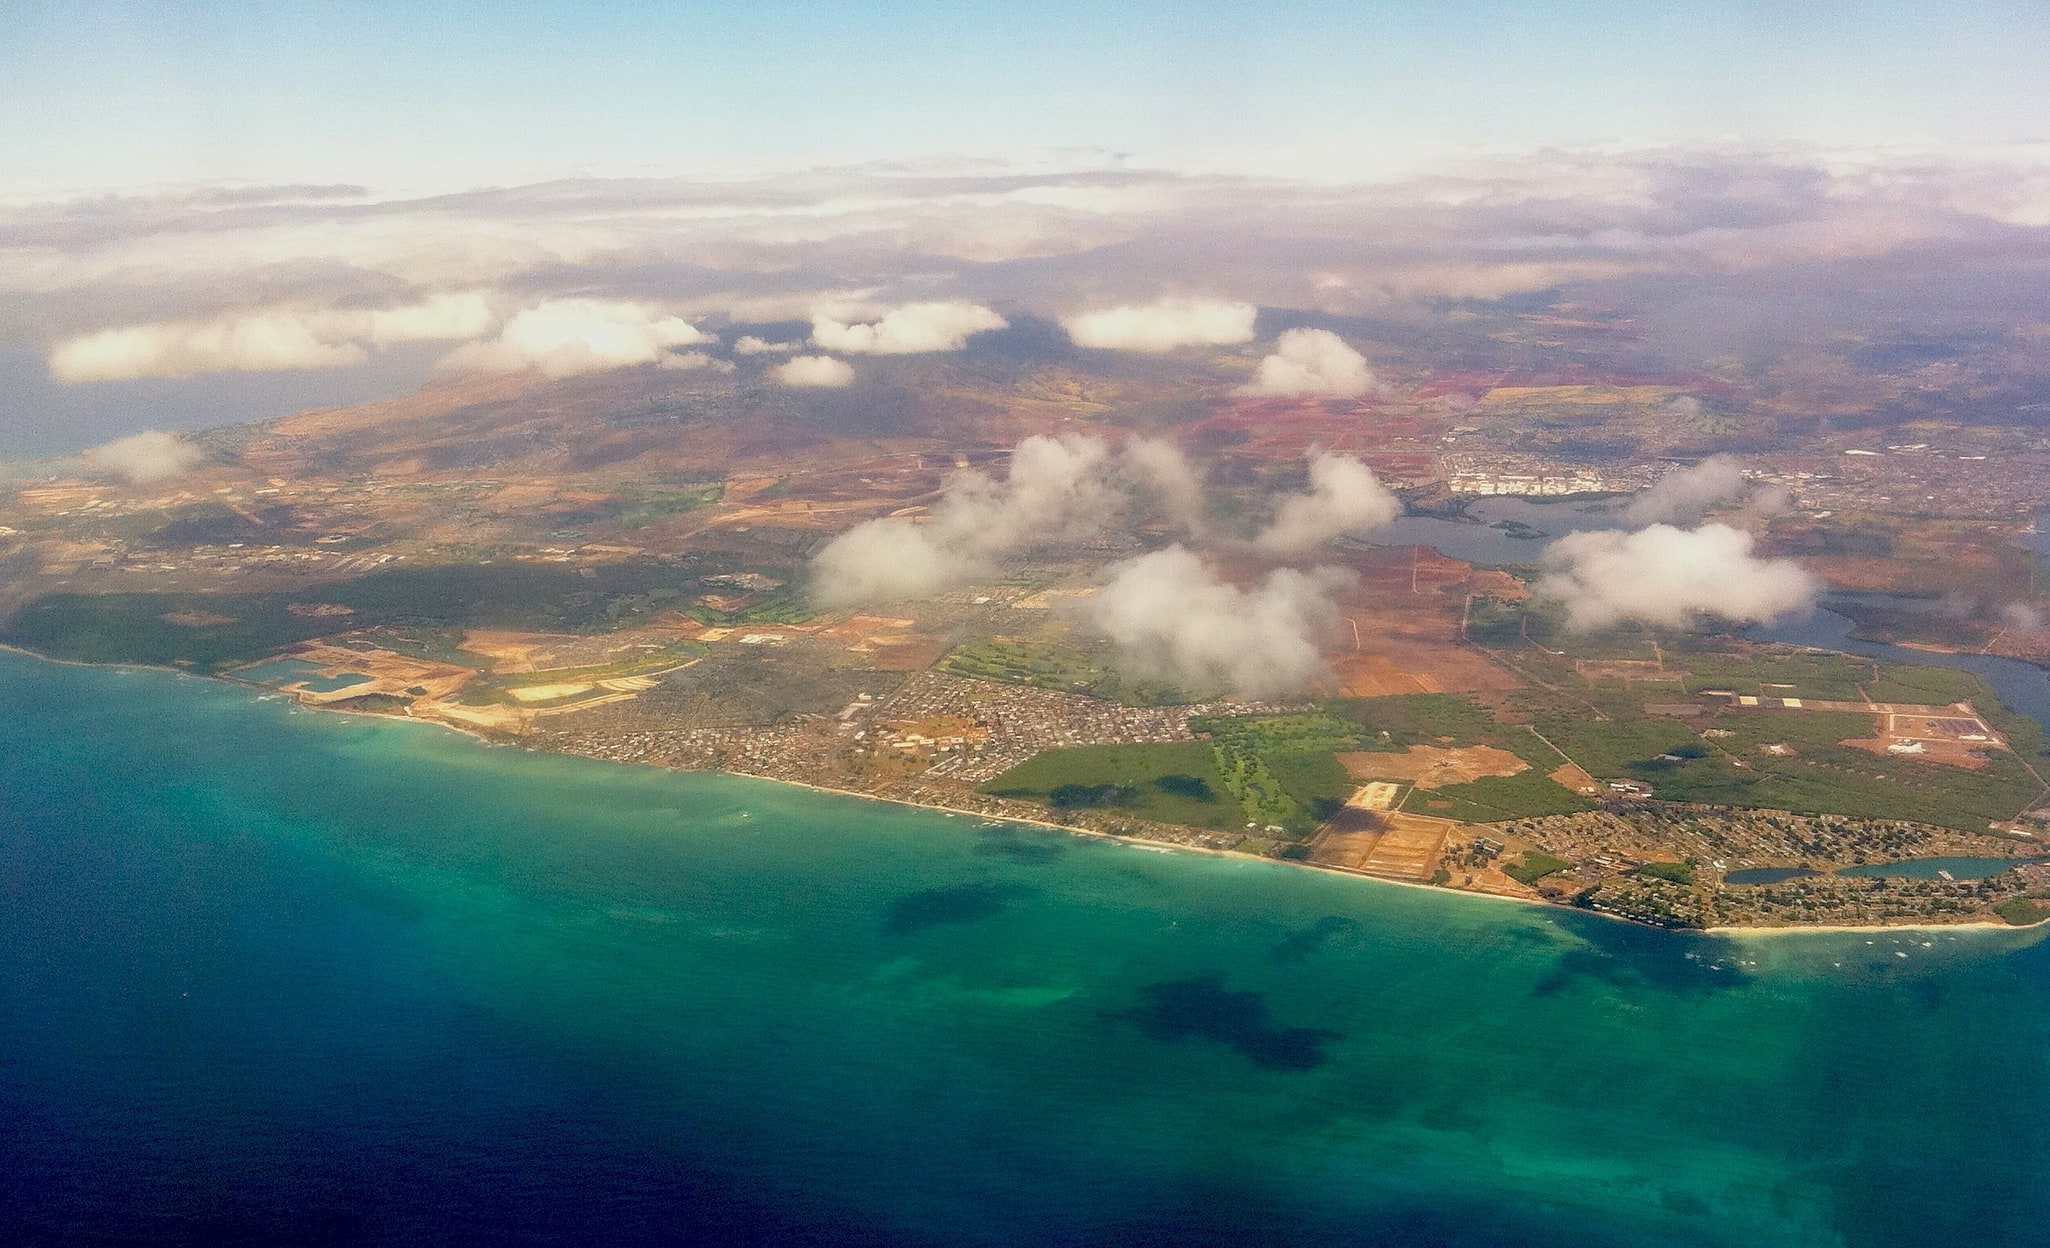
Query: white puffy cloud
[272, 340]
[144, 458]
[1159, 472]
[1684, 495]
[694, 359]
[911, 329]
[1311, 363]
[749, 344]
[568, 337]
[1164, 325]
[1345, 496]
[250, 344]
[1669, 577]
[1058, 489]
[814, 371]
[887, 560]
[1172, 618]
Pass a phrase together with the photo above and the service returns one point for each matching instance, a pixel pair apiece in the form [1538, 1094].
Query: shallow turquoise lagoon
[277, 976]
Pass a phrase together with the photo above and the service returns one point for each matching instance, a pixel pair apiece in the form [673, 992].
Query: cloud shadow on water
[955, 903]
[1203, 1009]
[1296, 946]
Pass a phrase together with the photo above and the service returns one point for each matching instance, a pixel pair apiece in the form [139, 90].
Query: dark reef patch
[1623, 954]
[1035, 849]
[1204, 1009]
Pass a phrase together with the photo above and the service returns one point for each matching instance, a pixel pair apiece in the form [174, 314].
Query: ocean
[271, 976]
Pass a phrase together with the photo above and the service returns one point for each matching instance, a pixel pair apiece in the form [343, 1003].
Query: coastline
[1843, 929]
[1137, 842]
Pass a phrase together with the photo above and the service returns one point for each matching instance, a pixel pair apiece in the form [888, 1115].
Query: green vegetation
[1173, 782]
[131, 628]
[1534, 867]
[1318, 782]
[1280, 767]
[2023, 911]
[1090, 796]
[1677, 872]
[1610, 747]
[1053, 665]
[1414, 719]
[642, 509]
[1492, 799]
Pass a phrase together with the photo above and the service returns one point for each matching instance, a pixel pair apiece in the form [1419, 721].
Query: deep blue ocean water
[270, 976]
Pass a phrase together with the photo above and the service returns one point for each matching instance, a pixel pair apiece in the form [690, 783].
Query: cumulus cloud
[1171, 617]
[749, 344]
[1669, 577]
[911, 329]
[694, 359]
[1311, 363]
[568, 337]
[253, 344]
[1684, 495]
[1159, 471]
[145, 458]
[814, 371]
[1344, 497]
[1057, 490]
[1163, 326]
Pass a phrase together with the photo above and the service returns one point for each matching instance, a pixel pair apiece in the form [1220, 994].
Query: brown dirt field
[1409, 849]
[900, 654]
[1431, 766]
[1377, 676]
[1494, 583]
[1573, 779]
[1401, 631]
[1951, 753]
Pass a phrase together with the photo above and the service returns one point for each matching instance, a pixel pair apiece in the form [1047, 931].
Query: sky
[444, 96]
[214, 212]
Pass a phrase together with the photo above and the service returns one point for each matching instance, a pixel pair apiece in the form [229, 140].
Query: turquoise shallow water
[272, 976]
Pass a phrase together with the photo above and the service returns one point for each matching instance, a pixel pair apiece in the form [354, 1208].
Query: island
[624, 565]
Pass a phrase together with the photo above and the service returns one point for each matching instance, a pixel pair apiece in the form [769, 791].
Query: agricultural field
[1053, 664]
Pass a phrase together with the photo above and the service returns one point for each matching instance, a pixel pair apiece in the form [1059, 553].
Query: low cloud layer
[1782, 251]
[569, 337]
[1344, 497]
[815, 372]
[1164, 326]
[1670, 577]
[1311, 363]
[1685, 495]
[913, 329]
[147, 458]
[278, 340]
[1172, 618]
